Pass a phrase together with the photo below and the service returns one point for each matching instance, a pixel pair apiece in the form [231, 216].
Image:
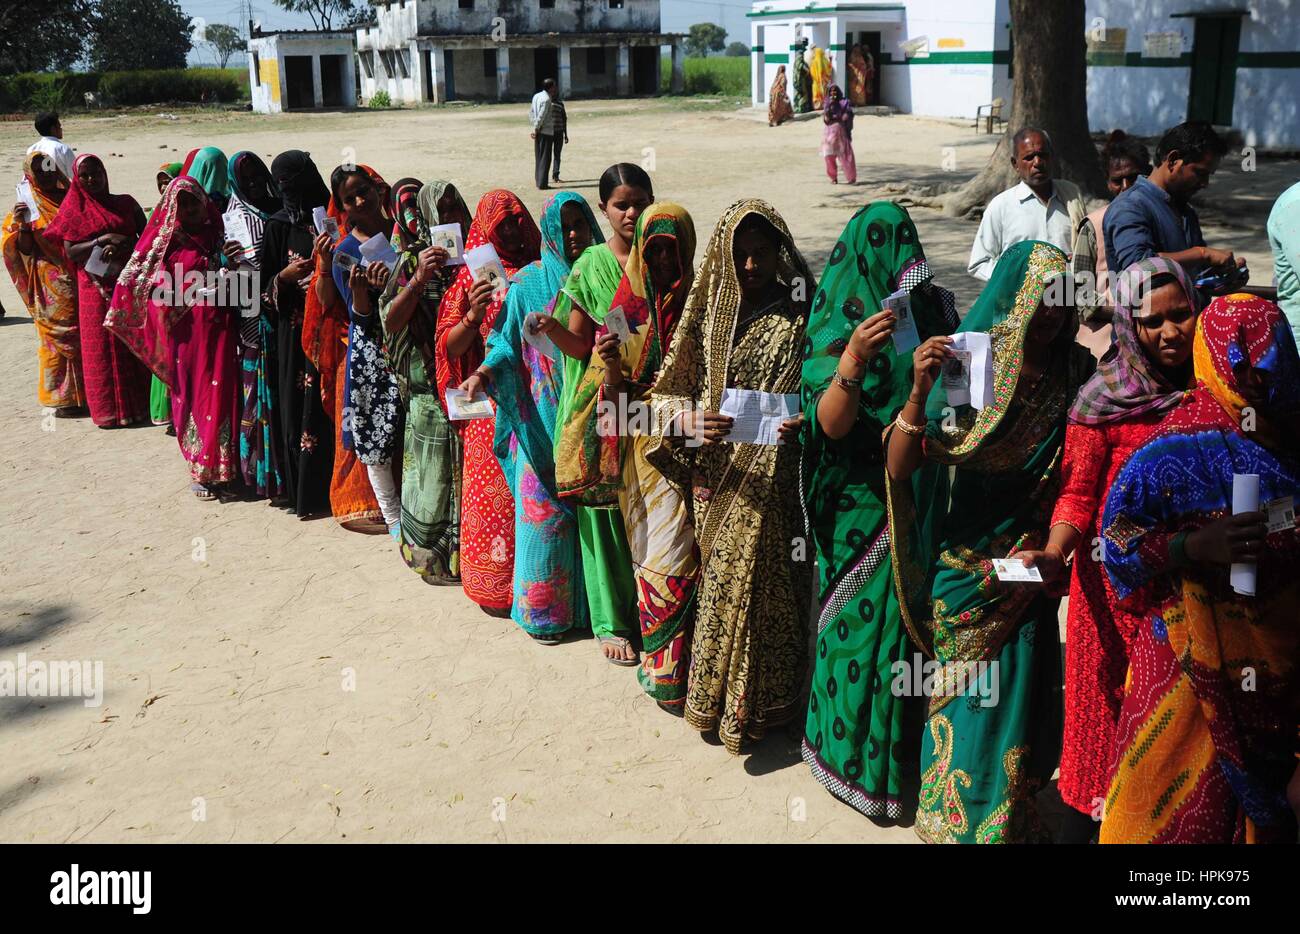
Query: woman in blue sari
[526, 385]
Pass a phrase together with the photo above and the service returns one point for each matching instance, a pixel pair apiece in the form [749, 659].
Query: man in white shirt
[51, 143]
[542, 116]
[1038, 208]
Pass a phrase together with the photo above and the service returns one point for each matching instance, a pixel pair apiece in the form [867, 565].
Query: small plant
[380, 100]
[49, 95]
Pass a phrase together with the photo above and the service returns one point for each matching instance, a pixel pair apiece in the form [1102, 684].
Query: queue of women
[685, 553]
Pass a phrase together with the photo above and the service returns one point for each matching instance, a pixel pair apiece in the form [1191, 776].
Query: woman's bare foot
[618, 651]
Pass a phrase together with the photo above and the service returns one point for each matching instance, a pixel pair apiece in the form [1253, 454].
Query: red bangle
[856, 359]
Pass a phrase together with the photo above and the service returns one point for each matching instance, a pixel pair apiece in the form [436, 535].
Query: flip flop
[202, 492]
[621, 643]
[546, 639]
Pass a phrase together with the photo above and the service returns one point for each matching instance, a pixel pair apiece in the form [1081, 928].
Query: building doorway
[1214, 69]
[546, 64]
[299, 86]
[645, 69]
[870, 42]
[449, 73]
[331, 80]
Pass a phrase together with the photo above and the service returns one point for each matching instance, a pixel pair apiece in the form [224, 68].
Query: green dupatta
[591, 286]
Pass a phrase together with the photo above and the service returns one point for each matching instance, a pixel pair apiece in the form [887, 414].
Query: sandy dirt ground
[268, 679]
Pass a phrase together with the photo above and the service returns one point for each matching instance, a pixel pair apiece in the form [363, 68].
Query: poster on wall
[1162, 45]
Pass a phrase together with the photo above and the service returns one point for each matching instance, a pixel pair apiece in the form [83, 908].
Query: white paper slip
[447, 236]
[379, 249]
[28, 197]
[95, 262]
[906, 338]
[461, 408]
[324, 223]
[484, 263]
[1281, 514]
[1013, 569]
[616, 323]
[536, 339]
[236, 225]
[1245, 498]
[968, 376]
[757, 416]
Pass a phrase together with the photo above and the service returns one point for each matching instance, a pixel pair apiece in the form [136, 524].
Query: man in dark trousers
[545, 139]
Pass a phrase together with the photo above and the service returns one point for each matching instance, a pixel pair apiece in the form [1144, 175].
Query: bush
[380, 100]
[52, 91]
[719, 74]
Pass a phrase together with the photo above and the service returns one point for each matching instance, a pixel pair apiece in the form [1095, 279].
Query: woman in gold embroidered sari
[743, 328]
[993, 733]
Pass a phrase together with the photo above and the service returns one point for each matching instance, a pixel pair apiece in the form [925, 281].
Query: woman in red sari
[466, 316]
[190, 342]
[325, 341]
[117, 384]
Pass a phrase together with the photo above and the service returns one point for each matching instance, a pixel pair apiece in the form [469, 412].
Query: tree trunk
[1049, 91]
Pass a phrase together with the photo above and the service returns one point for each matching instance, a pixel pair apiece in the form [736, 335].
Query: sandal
[546, 638]
[202, 492]
[622, 643]
[71, 411]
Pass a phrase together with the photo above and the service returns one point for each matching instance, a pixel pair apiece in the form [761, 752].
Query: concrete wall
[404, 18]
[267, 83]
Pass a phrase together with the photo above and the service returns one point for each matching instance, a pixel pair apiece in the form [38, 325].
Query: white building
[442, 50]
[301, 69]
[1151, 65]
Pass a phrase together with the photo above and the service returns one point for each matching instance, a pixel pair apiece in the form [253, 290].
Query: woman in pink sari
[100, 228]
[189, 340]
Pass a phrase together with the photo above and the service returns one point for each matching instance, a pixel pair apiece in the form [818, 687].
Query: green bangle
[1178, 550]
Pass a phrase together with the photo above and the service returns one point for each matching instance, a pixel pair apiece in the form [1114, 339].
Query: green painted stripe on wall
[1268, 59]
[995, 57]
[776, 58]
[757, 48]
[1244, 60]
[813, 8]
[838, 46]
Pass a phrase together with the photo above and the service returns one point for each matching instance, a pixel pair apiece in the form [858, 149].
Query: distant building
[444, 50]
[1150, 65]
[301, 69]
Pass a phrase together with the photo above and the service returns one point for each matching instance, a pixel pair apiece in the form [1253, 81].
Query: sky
[675, 16]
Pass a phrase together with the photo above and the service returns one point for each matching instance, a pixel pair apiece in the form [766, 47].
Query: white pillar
[839, 57]
[437, 69]
[678, 83]
[503, 71]
[317, 99]
[757, 70]
[416, 72]
[623, 71]
[565, 77]
[349, 81]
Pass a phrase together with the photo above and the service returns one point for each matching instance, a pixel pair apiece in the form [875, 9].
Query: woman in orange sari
[46, 281]
[325, 341]
[466, 317]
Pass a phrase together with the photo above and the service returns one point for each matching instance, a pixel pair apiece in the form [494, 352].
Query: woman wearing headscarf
[117, 384]
[778, 100]
[363, 493]
[742, 328]
[992, 737]
[861, 739]
[1206, 738]
[837, 138]
[187, 340]
[823, 74]
[209, 168]
[291, 249]
[861, 76]
[1142, 377]
[255, 198]
[160, 397]
[527, 384]
[601, 460]
[466, 317]
[802, 78]
[408, 311]
[46, 281]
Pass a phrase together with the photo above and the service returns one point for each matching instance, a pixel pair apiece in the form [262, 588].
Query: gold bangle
[907, 427]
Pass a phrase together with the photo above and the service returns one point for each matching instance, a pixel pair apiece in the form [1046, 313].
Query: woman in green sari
[857, 741]
[583, 302]
[429, 529]
[160, 397]
[993, 733]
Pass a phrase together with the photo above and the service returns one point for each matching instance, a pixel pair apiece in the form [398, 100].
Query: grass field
[728, 75]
